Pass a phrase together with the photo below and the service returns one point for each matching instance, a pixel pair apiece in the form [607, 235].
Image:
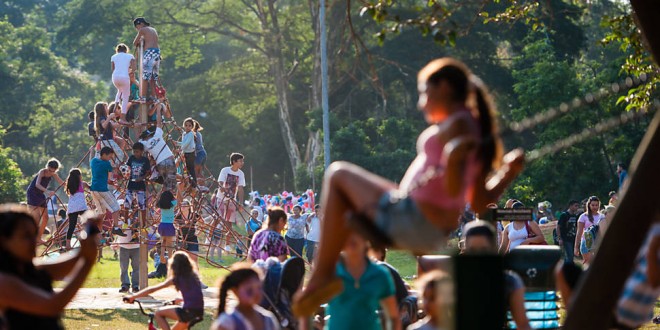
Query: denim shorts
[200, 158]
[401, 220]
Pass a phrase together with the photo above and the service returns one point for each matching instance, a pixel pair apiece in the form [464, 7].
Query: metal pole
[144, 255]
[324, 87]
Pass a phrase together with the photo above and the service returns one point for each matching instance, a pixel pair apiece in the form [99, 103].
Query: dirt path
[110, 298]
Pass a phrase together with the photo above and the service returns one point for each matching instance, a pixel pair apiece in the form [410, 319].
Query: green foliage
[219, 67]
[11, 179]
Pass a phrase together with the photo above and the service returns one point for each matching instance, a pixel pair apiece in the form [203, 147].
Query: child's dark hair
[90, 115]
[165, 200]
[240, 273]
[61, 213]
[122, 48]
[11, 215]
[99, 112]
[73, 181]
[462, 83]
[480, 228]
[53, 163]
[138, 146]
[274, 216]
[106, 151]
[114, 106]
[180, 267]
[234, 157]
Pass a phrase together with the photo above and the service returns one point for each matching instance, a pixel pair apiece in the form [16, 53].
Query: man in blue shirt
[103, 198]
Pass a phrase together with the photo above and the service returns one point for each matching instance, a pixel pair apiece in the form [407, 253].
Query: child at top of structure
[245, 283]
[75, 188]
[151, 52]
[154, 143]
[138, 169]
[104, 199]
[38, 194]
[123, 64]
[200, 152]
[187, 145]
[185, 279]
[166, 229]
[459, 157]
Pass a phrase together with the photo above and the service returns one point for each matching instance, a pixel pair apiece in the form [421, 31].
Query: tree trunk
[281, 80]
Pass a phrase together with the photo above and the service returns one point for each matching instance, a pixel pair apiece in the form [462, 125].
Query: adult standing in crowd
[268, 242]
[517, 233]
[622, 173]
[295, 235]
[314, 233]
[567, 228]
[590, 217]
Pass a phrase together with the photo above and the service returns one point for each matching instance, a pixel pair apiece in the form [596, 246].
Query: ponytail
[240, 273]
[274, 215]
[491, 146]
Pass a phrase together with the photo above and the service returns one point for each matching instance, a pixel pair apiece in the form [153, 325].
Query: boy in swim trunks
[151, 55]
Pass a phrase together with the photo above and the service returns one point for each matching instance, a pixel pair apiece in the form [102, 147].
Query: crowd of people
[459, 161]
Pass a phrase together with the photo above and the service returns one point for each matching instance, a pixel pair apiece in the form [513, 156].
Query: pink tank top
[430, 161]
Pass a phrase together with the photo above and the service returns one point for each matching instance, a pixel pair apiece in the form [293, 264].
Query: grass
[105, 274]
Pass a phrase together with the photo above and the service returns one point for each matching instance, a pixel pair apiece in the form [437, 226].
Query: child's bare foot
[314, 295]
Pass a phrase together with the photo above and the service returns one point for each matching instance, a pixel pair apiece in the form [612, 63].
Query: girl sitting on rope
[458, 160]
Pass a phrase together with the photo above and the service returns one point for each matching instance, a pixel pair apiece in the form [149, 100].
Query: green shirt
[355, 307]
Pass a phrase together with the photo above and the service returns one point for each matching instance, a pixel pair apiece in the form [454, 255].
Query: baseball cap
[140, 20]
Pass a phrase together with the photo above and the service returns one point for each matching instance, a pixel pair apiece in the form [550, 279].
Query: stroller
[281, 282]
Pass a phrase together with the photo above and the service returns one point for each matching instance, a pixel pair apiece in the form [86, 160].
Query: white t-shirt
[232, 180]
[229, 319]
[122, 62]
[516, 236]
[157, 147]
[123, 240]
[314, 233]
[584, 218]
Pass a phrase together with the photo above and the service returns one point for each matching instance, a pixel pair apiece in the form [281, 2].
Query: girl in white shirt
[122, 65]
[587, 219]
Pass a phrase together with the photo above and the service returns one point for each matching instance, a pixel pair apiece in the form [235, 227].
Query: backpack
[590, 236]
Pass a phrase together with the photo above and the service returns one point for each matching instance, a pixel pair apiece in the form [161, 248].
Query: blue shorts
[200, 158]
[151, 62]
[166, 229]
[401, 220]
